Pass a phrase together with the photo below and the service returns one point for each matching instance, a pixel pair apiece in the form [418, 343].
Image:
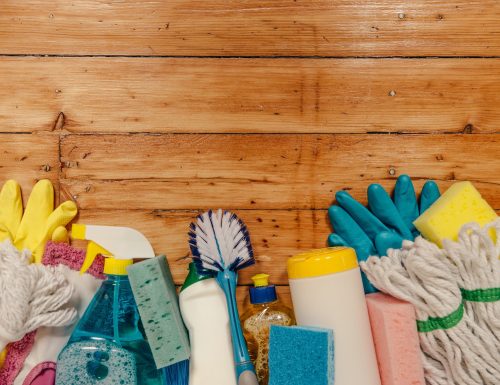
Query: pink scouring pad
[64, 254]
[395, 335]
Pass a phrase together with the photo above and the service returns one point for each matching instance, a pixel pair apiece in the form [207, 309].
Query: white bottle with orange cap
[327, 292]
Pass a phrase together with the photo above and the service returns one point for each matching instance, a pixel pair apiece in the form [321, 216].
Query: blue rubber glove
[384, 225]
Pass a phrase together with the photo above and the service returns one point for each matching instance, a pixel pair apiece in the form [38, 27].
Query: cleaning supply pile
[406, 293]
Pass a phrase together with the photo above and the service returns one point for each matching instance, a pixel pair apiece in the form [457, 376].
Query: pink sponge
[395, 335]
[64, 254]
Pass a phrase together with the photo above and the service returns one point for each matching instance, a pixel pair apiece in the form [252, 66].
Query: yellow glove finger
[60, 235]
[4, 233]
[59, 218]
[11, 209]
[40, 205]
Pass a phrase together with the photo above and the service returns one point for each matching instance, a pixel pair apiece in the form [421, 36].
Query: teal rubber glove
[384, 224]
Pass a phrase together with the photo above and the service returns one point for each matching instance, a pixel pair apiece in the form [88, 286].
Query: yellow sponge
[459, 205]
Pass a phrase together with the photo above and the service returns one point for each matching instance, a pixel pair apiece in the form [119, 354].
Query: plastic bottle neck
[260, 304]
[114, 266]
[117, 278]
[194, 276]
[263, 295]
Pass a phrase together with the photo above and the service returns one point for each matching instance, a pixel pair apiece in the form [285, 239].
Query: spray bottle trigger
[93, 249]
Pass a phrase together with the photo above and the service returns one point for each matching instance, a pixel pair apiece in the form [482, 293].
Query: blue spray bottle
[108, 344]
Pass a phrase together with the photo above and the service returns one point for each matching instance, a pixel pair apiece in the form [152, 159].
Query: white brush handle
[248, 377]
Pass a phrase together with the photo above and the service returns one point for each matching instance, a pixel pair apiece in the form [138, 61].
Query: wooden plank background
[250, 95]
[252, 27]
[147, 113]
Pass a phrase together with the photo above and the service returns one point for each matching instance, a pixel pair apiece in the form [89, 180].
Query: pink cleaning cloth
[394, 329]
[64, 254]
[55, 254]
[16, 354]
[43, 374]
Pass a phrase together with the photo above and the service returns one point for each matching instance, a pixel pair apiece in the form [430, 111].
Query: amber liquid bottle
[264, 310]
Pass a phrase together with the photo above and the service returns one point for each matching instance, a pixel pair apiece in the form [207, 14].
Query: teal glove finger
[383, 207]
[368, 222]
[405, 200]
[387, 240]
[350, 232]
[430, 194]
[345, 226]
[336, 240]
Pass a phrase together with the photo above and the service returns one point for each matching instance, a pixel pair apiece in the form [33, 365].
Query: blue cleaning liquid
[108, 346]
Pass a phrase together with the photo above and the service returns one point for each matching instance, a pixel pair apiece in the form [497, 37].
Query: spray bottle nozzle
[119, 245]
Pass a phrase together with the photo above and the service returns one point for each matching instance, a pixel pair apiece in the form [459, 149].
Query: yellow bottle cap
[319, 262]
[260, 280]
[113, 266]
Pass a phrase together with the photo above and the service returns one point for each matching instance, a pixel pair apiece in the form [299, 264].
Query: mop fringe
[459, 338]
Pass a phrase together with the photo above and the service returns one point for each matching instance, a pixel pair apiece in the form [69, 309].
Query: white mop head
[31, 295]
[460, 346]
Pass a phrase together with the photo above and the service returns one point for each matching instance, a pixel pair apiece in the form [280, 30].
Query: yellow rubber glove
[40, 222]
[11, 210]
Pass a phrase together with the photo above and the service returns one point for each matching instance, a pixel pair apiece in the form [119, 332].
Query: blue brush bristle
[177, 374]
[220, 241]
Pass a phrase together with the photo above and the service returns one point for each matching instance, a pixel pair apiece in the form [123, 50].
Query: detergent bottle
[327, 292]
[204, 310]
[108, 345]
[265, 310]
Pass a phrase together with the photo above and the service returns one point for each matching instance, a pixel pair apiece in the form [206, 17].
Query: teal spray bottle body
[108, 345]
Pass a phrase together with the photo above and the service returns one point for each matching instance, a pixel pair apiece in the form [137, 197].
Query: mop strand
[41, 295]
[457, 348]
[477, 258]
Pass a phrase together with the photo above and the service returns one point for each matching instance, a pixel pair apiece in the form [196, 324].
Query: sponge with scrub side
[156, 297]
[394, 329]
[300, 355]
[459, 205]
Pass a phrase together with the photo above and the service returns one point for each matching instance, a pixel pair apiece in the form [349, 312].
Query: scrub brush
[220, 242]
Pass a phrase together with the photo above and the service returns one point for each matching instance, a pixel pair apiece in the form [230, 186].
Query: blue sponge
[300, 356]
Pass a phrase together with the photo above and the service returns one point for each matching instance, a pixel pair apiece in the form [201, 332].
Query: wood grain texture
[250, 95]
[28, 158]
[252, 28]
[173, 119]
[264, 171]
[276, 235]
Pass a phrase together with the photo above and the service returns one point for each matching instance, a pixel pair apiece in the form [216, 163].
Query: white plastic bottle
[327, 292]
[204, 310]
